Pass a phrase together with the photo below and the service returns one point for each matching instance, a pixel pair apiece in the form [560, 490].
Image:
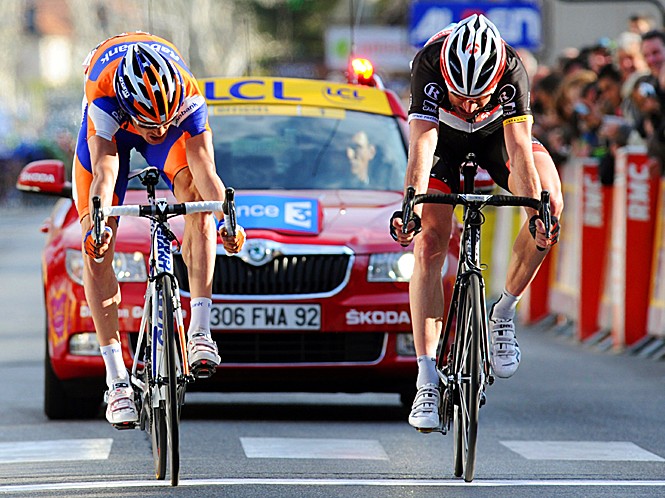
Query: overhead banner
[520, 22]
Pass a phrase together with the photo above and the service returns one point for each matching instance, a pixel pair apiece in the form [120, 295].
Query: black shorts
[488, 146]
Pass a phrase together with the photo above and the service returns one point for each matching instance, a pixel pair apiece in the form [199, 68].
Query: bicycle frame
[468, 263]
[160, 264]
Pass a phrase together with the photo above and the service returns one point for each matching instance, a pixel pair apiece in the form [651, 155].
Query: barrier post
[564, 285]
[596, 211]
[633, 233]
[656, 320]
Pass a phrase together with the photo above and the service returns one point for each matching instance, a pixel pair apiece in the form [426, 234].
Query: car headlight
[129, 267]
[390, 267]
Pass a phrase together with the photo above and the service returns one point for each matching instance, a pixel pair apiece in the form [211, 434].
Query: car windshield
[290, 147]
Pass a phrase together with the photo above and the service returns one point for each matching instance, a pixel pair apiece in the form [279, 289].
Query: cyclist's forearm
[104, 159]
[422, 145]
[202, 166]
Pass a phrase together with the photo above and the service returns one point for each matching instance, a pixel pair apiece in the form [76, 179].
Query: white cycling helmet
[473, 57]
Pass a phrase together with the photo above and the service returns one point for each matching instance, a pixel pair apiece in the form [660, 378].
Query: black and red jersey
[429, 95]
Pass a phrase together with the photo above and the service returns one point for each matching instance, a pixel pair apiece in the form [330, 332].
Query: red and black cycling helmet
[473, 57]
[148, 86]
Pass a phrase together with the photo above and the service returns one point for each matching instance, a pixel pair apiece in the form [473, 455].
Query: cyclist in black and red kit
[470, 93]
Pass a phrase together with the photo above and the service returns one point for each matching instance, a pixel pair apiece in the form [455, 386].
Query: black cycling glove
[417, 227]
[555, 229]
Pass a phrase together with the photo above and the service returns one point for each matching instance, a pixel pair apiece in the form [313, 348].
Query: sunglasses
[150, 126]
[464, 98]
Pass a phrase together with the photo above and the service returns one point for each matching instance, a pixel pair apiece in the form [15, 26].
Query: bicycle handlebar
[146, 210]
[542, 205]
[481, 199]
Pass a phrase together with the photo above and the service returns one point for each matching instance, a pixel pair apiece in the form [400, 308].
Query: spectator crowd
[599, 98]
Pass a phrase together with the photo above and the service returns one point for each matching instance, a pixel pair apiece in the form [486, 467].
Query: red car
[317, 301]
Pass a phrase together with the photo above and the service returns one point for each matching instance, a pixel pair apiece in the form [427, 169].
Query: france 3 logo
[290, 214]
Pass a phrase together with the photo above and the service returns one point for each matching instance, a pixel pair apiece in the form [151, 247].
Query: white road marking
[278, 447]
[609, 451]
[418, 483]
[55, 451]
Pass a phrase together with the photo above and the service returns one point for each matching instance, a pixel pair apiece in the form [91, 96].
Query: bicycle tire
[171, 405]
[158, 440]
[156, 416]
[468, 363]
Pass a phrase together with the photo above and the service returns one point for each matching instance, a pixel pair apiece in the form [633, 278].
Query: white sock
[505, 307]
[426, 371]
[115, 366]
[200, 314]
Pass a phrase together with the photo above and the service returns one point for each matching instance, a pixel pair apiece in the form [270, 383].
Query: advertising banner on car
[519, 21]
[283, 213]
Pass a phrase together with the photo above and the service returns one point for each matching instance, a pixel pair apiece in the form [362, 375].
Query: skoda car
[317, 300]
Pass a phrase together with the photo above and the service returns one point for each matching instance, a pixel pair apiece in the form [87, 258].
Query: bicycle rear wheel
[171, 405]
[467, 362]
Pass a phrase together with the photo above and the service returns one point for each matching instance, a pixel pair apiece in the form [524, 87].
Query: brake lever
[229, 209]
[407, 208]
[545, 215]
[97, 223]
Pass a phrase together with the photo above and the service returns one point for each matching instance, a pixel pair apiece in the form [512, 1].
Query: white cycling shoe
[424, 414]
[120, 409]
[504, 351]
[202, 353]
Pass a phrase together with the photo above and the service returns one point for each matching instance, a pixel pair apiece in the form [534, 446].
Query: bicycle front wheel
[467, 362]
[171, 406]
[156, 418]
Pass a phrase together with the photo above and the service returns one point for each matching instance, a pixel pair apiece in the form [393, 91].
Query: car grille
[302, 274]
[294, 348]
[271, 348]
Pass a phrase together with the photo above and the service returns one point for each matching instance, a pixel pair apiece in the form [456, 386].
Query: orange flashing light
[362, 69]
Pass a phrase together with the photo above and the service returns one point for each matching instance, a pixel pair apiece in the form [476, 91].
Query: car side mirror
[46, 177]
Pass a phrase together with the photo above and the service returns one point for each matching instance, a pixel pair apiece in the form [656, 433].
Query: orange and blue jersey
[103, 117]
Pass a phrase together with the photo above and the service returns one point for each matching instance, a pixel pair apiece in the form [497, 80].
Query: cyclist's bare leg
[526, 258]
[198, 251]
[425, 288]
[102, 292]
[427, 310]
[199, 239]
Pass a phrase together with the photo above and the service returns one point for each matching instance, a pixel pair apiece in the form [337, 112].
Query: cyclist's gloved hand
[539, 228]
[396, 224]
[94, 250]
[232, 245]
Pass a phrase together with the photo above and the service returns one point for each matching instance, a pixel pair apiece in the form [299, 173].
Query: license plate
[265, 316]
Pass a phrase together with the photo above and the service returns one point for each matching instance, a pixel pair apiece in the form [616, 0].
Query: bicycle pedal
[425, 431]
[203, 370]
[126, 426]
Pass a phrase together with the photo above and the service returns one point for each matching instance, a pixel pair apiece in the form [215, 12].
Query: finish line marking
[421, 483]
[55, 451]
[595, 451]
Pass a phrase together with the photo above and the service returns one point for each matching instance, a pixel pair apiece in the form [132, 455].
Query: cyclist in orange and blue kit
[139, 94]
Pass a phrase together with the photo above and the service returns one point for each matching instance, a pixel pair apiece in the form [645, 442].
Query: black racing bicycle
[464, 367]
[160, 372]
